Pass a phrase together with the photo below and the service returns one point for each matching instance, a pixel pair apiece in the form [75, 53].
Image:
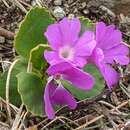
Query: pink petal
[57, 95]
[118, 53]
[79, 61]
[97, 56]
[109, 74]
[52, 57]
[122, 60]
[100, 31]
[63, 97]
[49, 89]
[53, 36]
[70, 30]
[74, 75]
[85, 44]
[107, 37]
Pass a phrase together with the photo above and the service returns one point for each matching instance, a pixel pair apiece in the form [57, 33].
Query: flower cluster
[71, 52]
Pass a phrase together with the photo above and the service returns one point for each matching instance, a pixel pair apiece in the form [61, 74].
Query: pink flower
[109, 49]
[56, 94]
[66, 43]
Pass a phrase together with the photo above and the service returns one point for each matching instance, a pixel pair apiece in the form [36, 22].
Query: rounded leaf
[31, 89]
[37, 58]
[31, 31]
[20, 66]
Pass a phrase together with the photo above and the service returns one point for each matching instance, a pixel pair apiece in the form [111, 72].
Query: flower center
[58, 76]
[66, 52]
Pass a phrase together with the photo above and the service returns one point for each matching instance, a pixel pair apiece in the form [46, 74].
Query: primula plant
[62, 62]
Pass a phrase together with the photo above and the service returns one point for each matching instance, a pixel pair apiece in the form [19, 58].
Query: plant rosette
[62, 62]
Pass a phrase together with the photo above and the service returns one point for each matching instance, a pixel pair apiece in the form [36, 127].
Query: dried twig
[69, 120]
[126, 44]
[22, 121]
[82, 104]
[6, 4]
[7, 34]
[65, 123]
[101, 116]
[19, 5]
[110, 105]
[50, 123]
[3, 124]
[124, 89]
[14, 108]
[24, 3]
[17, 118]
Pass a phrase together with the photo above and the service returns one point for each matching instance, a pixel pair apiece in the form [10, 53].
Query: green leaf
[20, 66]
[97, 89]
[86, 25]
[37, 58]
[31, 89]
[31, 31]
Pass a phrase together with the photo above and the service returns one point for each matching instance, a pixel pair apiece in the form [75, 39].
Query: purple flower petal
[106, 36]
[63, 38]
[70, 30]
[100, 31]
[85, 44]
[63, 97]
[49, 89]
[53, 35]
[109, 74]
[79, 61]
[57, 95]
[97, 56]
[72, 74]
[52, 57]
[118, 53]
[108, 50]
[122, 60]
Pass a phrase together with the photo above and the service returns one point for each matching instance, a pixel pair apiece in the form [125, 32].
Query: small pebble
[59, 12]
[70, 1]
[83, 4]
[9, 41]
[122, 18]
[33, 3]
[86, 11]
[2, 39]
[108, 11]
[104, 96]
[57, 2]
[66, 5]
[75, 11]
[71, 16]
[128, 20]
